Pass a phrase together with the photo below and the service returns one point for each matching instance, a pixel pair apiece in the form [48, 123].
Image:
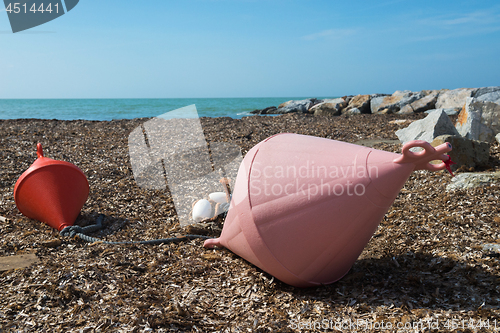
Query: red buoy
[51, 191]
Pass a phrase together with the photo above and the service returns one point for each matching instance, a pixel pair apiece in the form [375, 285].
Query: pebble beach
[425, 264]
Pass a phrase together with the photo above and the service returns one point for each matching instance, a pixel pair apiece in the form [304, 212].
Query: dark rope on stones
[81, 232]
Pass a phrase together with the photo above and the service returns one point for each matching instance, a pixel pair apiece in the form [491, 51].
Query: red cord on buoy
[448, 164]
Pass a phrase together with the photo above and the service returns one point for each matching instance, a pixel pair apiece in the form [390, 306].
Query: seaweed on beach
[424, 264]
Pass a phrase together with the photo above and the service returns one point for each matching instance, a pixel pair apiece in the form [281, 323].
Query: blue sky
[252, 48]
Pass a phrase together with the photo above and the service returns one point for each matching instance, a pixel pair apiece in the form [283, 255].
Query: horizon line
[304, 96]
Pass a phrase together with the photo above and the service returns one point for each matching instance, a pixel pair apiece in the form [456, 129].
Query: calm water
[108, 109]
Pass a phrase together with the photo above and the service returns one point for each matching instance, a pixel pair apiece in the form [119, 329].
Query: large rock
[454, 99]
[449, 112]
[360, 102]
[339, 100]
[409, 97]
[407, 109]
[352, 111]
[479, 120]
[394, 103]
[347, 99]
[375, 103]
[329, 107]
[465, 151]
[471, 180]
[498, 137]
[488, 94]
[268, 110]
[315, 101]
[420, 105]
[435, 124]
[295, 106]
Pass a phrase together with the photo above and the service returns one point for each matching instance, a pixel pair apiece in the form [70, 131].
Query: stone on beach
[449, 112]
[375, 103]
[268, 110]
[295, 106]
[407, 109]
[400, 121]
[466, 152]
[394, 103]
[352, 111]
[454, 99]
[488, 94]
[420, 105]
[329, 107]
[498, 137]
[435, 124]
[360, 102]
[479, 120]
[471, 179]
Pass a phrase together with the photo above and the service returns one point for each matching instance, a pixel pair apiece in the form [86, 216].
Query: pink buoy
[303, 208]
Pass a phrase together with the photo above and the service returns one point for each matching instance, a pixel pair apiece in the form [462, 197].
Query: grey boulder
[449, 112]
[375, 103]
[479, 120]
[295, 106]
[420, 105]
[329, 107]
[454, 99]
[268, 110]
[466, 152]
[471, 179]
[435, 124]
[394, 103]
[353, 111]
[488, 94]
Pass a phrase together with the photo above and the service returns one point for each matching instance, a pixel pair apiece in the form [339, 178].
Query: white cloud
[331, 34]
[461, 20]
[453, 20]
[457, 34]
[459, 25]
[442, 56]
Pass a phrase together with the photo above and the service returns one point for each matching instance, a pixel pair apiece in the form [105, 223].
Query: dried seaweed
[424, 264]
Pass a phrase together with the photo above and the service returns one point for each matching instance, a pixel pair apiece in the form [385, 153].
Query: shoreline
[107, 109]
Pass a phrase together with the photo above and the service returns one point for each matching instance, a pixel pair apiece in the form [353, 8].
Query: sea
[109, 109]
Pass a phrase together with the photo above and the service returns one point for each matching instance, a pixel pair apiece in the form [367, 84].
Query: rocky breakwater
[400, 102]
[476, 130]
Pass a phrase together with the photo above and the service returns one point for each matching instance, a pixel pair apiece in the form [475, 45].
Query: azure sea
[109, 109]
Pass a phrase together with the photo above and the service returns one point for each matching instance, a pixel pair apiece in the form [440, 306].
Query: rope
[81, 232]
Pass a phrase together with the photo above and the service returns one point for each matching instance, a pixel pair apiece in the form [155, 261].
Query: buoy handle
[422, 158]
[39, 150]
[210, 243]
